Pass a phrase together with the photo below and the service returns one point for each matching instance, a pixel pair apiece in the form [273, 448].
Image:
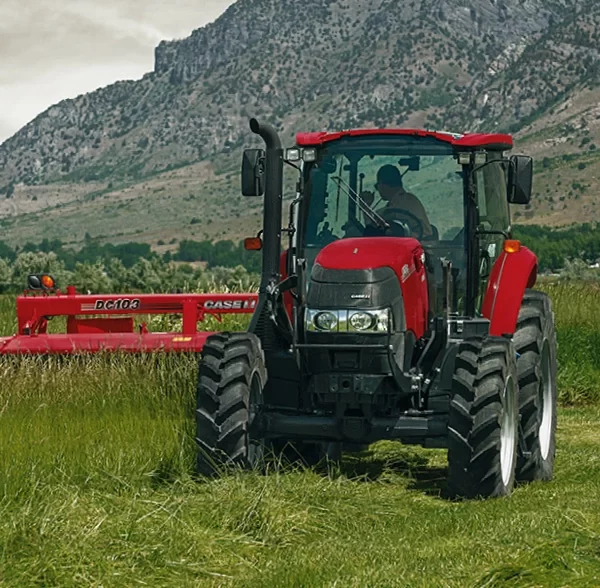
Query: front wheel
[231, 379]
[535, 341]
[483, 419]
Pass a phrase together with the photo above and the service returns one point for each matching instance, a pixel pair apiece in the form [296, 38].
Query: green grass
[577, 309]
[97, 489]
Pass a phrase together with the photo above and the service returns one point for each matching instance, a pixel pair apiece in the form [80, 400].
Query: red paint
[100, 325]
[511, 275]
[394, 252]
[99, 342]
[493, 141]
[288, 299]
[105, 331]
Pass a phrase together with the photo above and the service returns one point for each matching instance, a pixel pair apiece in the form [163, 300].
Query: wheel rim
[546, 406]
[508, 431]
[255, 449]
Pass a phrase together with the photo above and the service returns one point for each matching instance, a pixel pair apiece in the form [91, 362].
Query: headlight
[353, 321]
[326, 321]
[370, 321]
[361, 321]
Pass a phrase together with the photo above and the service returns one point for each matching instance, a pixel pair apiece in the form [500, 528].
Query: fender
[511, 275]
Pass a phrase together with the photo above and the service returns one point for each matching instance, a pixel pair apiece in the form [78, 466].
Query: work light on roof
[293, 154]
[480, 157]
[309, 154]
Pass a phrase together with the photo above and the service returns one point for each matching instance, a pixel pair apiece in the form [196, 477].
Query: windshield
[363, 184]
[391, 185]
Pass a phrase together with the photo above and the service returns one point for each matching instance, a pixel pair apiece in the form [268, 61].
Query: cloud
[115, 22]
[55, 50]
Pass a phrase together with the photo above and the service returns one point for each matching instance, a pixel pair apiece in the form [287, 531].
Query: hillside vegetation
[159, 157]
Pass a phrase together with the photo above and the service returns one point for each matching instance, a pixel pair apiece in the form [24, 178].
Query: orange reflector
[512, 246]
[48, 282]
[253, 244]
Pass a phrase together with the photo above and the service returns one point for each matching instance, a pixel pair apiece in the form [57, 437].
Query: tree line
[128, 267]
[104, 267]
[555, 247]
[218, 254]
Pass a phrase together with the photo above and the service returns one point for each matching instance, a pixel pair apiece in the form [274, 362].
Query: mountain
[158, 158]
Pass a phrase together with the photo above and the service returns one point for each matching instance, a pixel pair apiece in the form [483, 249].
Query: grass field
[97, 489]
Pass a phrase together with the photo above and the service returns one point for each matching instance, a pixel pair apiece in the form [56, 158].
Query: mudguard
[511, 275]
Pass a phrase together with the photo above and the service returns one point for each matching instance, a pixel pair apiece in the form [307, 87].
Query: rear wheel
[535, 342]
[231, 378]
[483, 419]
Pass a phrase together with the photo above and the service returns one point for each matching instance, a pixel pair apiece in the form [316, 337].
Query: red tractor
[411, 317]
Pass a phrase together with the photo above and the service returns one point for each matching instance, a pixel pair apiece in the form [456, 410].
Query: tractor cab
[391, 185]
[395, 307]
[448, 191]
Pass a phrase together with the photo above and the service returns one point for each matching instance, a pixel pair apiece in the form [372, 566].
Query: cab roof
[468, 140]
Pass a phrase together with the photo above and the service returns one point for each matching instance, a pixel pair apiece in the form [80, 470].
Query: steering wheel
[407, 218]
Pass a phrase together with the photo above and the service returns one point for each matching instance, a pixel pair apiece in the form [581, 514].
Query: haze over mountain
[158, 158]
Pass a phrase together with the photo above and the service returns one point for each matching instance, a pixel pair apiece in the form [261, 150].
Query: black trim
[413, 428]
[341, 346]
[471, 244]
[367, 289]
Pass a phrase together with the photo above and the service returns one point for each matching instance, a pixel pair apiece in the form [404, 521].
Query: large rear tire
[231, 379]
[483, 419]
[535, 342]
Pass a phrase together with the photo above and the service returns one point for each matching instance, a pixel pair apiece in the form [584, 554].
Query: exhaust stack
[273, 201]
[261, 324]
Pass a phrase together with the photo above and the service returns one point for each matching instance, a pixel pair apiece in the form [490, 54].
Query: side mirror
[520, 179]
[253, 172]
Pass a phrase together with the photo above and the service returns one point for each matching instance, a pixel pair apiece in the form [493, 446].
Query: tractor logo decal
[229, 304]
[118, 304]
[407, 271]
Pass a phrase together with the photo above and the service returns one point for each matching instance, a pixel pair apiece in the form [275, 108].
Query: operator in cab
[399, 204]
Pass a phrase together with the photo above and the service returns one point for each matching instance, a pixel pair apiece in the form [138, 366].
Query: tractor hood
[373, 272]
[403, 255]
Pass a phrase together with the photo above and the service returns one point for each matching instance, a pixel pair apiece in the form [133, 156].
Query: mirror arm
[503, 160]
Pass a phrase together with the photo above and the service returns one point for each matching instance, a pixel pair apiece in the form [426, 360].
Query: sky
[56, 49]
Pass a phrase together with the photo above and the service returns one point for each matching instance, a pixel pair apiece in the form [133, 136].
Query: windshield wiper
[376, 218]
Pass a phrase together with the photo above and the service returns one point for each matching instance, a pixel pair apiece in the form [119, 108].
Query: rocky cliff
[315, 64]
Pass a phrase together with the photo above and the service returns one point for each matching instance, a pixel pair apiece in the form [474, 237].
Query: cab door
[493, 217]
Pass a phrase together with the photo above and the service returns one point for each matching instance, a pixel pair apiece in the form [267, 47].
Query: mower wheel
[483, 419]
[535, 342]
[231, 379]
